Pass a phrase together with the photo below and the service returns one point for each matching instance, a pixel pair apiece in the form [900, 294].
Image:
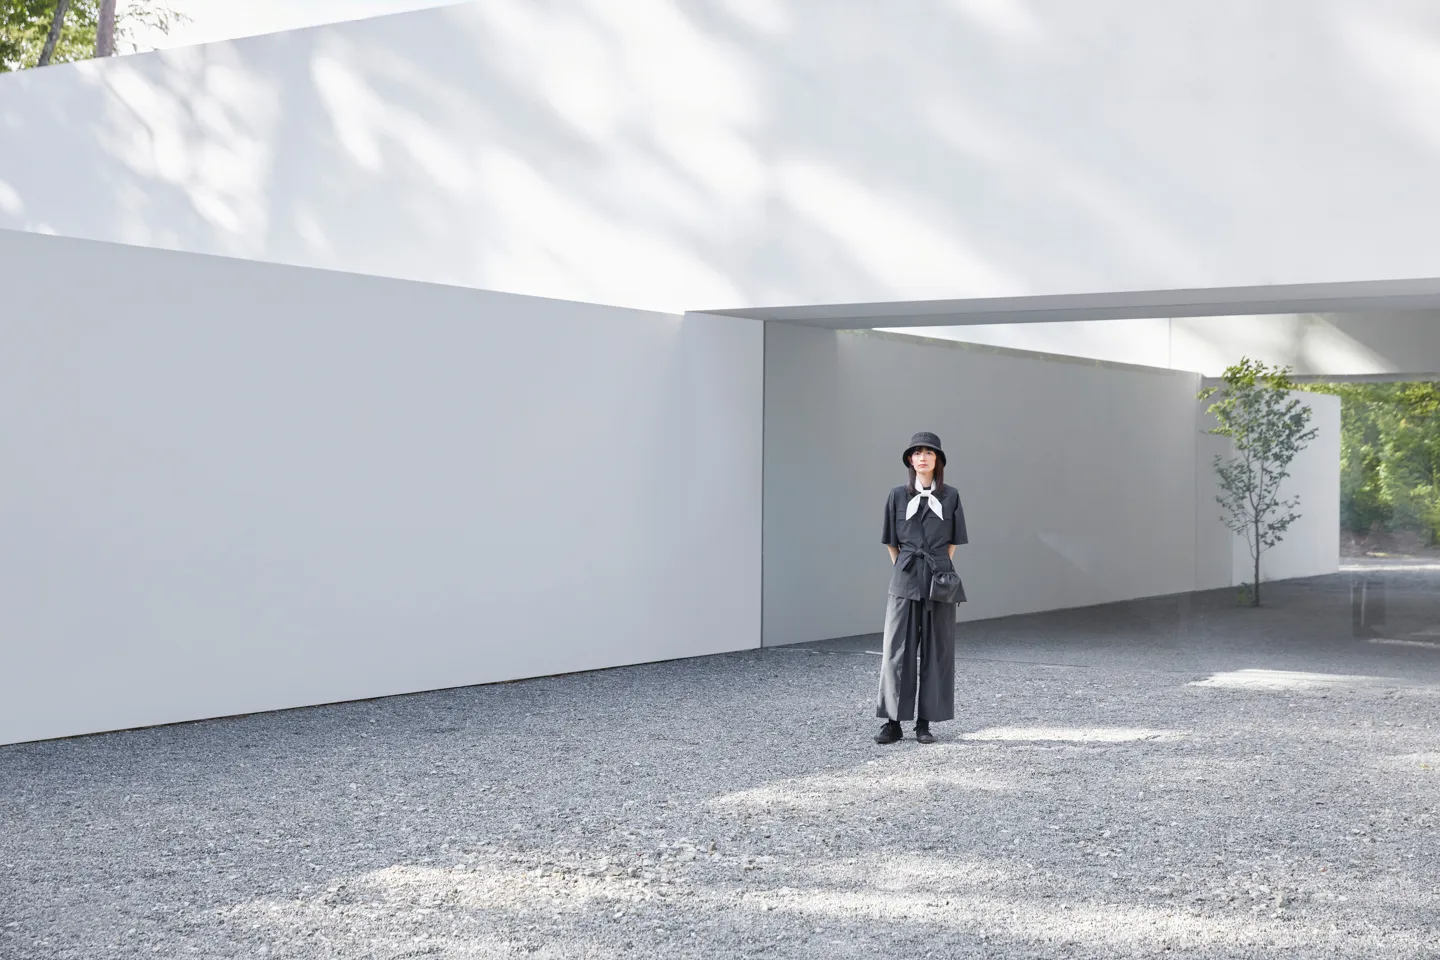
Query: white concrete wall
[1395, 343]
[1078, 480]
[1312, 545]
[1215, 545]
[706, 154]
[1389, 343]
[231, 487]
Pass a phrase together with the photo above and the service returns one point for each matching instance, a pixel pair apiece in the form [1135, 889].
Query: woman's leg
[937, 662]
[897, 662]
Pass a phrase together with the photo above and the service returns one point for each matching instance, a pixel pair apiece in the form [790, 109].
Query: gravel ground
[1171, 775]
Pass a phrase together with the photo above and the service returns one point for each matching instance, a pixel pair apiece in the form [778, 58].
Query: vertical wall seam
[764, 421]
[1195, 486]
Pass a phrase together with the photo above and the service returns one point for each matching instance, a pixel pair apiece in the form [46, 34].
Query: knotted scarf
[924, 493]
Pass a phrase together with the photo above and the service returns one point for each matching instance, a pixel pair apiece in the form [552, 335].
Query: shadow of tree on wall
[672, 154]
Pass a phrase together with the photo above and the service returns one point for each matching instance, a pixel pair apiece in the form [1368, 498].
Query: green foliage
[24, 25]
[1268, 427]
[1389, 457]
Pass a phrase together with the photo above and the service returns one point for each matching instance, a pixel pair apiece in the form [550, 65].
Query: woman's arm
[887, 534]
[958, 533]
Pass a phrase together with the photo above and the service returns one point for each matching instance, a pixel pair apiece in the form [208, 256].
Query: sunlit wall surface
[1393, 344]
[704, 154]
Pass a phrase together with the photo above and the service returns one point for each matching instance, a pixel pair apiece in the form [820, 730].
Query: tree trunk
[1255, 596]
[105, 30]
[53, 38]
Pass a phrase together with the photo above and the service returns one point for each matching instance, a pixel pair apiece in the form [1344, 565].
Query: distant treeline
[1389, 457]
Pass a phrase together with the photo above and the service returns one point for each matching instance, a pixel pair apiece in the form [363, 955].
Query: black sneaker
[922, 732]
[889, 733]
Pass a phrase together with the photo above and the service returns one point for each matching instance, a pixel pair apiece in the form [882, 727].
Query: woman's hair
[939, 477]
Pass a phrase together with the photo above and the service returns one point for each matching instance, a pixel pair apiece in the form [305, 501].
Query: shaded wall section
[708, 154]
[233, 487]
[1078, 479]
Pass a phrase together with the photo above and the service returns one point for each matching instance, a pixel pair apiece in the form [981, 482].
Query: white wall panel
[1390, 343]
[232, 487]
[707, 154]
[1215, 545]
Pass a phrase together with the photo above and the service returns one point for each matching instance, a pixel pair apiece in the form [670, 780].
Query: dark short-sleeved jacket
[923, 540]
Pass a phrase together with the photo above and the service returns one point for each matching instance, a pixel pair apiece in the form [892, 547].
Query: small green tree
[1268, 427]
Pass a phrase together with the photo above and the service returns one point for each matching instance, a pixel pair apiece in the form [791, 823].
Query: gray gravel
[1170, 775]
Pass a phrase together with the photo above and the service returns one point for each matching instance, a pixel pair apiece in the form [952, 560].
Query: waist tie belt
[911, 555]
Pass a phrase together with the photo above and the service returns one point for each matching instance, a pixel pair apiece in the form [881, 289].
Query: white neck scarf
[924, 493]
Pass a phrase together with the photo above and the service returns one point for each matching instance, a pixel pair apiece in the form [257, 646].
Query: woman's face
[923, 460]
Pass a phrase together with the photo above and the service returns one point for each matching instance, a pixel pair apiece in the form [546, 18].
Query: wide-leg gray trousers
[918, 657]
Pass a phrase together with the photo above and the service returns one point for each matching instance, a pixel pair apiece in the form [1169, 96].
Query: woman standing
[923, 524]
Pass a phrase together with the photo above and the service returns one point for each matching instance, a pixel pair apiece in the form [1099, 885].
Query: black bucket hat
[924, 440]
